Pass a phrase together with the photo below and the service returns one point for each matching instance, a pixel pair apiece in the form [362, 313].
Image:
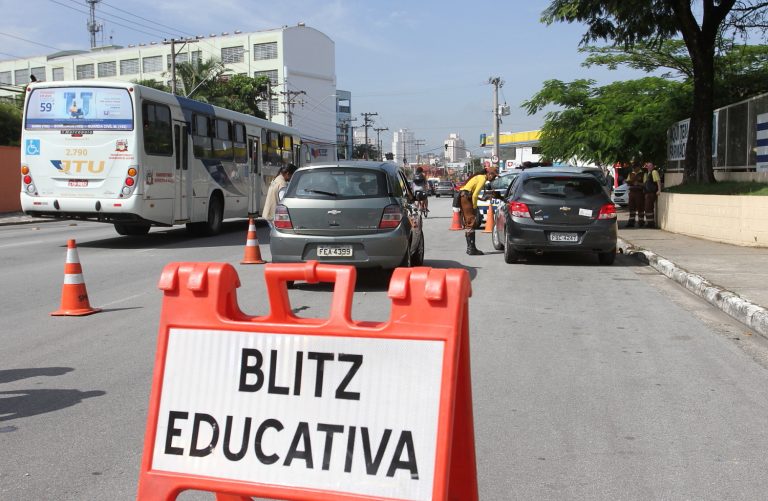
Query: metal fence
[734, 137]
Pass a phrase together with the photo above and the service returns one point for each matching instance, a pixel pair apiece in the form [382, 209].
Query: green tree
[154, 84]
[628, 22]
[197, 79]
[368, 151]
[239, 93]
[620, 122]
[10, 125]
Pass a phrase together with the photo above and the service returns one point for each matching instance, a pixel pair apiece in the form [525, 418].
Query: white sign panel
[343, 414]
[677, 139]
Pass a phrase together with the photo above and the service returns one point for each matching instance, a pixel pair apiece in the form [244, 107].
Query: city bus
[137, 157]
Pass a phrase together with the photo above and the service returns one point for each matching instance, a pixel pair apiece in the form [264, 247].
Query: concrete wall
[728, 219]
[10, 178]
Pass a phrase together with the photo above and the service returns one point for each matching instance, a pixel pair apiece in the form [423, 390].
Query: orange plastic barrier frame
[427, 305]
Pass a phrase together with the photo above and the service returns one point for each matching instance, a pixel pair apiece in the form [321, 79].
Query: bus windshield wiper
[322, 192]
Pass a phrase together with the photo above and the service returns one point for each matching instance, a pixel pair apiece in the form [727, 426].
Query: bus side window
[201, 140]
[158, 133]
[287, 149]
[264, 147]
[222, 143]
[241, 152]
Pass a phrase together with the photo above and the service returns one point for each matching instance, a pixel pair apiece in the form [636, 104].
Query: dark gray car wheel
[607, 258]
[510, 254]
[417, 258]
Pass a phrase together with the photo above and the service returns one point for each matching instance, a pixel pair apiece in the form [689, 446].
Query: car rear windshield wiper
[321, 192]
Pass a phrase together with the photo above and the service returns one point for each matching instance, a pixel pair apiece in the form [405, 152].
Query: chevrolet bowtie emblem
[565, 209]
[334, 212]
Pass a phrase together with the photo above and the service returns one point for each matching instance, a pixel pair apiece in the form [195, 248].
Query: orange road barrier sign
[286, 407]
[455, 222]
[489, 219]
[252, 251]
[74, 297]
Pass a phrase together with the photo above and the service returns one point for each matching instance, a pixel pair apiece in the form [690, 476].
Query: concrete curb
[753, 316]
[15, 218]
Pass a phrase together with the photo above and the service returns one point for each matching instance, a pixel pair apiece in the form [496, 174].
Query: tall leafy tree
[620, 122]
[10, 124]
[361, 150]
[698, 22]
[239, 93]
[197, 79]
[151, 82]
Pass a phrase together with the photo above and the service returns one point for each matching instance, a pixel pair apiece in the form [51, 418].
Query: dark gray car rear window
[562, 187]
[337, 183]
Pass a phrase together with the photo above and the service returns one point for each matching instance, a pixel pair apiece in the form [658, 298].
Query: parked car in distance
[431, 184]
[499, 186]
[444, 188]
[548, 209]
[621, 195]
[353, 212]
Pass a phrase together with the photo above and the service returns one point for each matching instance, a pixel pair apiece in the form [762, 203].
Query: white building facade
[404, 147]
[300, 62]
[455, 149]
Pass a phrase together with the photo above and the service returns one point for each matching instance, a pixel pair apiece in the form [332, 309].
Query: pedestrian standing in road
[469, 194]
[652, 190]
[273, 194]
[636, 199]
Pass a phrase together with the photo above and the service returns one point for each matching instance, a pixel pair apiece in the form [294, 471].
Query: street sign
[510, 164]
[283, 407]
[494, 159]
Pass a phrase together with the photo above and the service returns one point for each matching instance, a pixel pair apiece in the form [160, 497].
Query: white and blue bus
[138, 157]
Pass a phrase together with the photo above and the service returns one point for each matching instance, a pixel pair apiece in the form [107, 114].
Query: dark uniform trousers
[636, 204]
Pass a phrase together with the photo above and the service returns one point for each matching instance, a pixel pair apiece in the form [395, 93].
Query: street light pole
[378, 139]
[497, 82]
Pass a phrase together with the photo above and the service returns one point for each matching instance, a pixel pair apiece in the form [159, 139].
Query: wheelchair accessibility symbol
[33, 146]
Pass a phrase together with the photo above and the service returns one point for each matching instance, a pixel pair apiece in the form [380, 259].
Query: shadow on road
[575, 259]
[24, 403]
[10, 375]
[446, 263]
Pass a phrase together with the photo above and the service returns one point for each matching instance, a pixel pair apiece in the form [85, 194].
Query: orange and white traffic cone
[74, 297]
[489, 220]
[252, 252]
[455, 223]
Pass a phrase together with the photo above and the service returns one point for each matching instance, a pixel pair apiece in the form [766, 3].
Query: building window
[263, 51]
[197, 57]
[153, 64]
[57, 74]
[21, 77]
[231, 55]
[271, 74]
[84, 71]
[262, 105]
[39, 73]
[180, 58]
[129, 67]
[6, 78]
[108, 69]
[158, 135]
[536, 150]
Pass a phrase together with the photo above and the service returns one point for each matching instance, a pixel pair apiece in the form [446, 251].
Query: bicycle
[421, 199]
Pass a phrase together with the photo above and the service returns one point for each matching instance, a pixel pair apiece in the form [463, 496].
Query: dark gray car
[351, 212]
[552, 210]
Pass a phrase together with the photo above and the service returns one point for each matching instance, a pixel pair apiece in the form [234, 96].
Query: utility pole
[378, 139]
[497, 82]
[345, 124]
[172, 43]
[93, 26]
[290, 100]
[417, 143]
[367, 122]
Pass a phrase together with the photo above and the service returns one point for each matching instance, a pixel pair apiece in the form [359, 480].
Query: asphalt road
[590, 382]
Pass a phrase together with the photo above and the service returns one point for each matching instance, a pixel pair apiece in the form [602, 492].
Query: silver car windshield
[338, 183]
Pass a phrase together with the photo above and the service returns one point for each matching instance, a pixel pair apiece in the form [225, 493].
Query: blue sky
[421, 65]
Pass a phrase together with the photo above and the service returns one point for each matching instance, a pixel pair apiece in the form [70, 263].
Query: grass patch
[722, 188]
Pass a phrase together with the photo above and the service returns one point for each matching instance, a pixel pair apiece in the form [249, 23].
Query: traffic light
[446, 146]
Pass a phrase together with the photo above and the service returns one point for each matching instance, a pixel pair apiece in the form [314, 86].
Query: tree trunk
[698, 150]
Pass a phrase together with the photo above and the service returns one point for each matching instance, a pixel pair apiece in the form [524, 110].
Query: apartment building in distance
[299, 61]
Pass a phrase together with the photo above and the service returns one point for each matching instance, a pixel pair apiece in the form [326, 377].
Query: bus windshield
[79, 108]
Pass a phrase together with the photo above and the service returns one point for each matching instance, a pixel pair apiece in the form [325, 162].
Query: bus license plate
[563, 237]
[335, 251]
[78, 183]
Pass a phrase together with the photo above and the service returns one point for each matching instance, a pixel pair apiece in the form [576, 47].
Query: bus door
[254, 166]
[182, 177]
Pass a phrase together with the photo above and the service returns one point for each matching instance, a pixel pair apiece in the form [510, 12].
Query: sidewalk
[8, 218]
[732, 278]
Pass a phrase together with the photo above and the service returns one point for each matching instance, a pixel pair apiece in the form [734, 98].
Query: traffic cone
[74, 297]
[455, 223]
[252, 252]
[489, 221]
